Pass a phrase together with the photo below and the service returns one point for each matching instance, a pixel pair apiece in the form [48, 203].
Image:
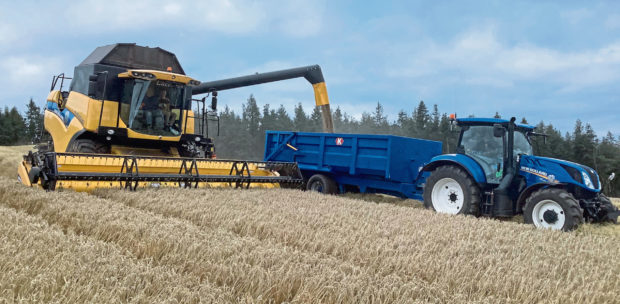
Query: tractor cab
[485, 140]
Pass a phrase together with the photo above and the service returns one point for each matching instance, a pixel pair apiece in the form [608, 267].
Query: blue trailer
[335, 163]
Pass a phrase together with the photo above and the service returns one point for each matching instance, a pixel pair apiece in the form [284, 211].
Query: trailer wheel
[323, 184]
[88, 146]
[450, 190]
[553, 208]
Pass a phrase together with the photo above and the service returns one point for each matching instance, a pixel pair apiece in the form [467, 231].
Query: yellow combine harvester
[127, 121]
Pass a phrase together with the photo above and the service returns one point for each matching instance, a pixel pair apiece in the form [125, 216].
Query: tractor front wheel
[451, 190]
[553, 208]
[323, 184]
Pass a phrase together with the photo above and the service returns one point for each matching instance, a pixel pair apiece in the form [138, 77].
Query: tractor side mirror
[214, 102]
[498, 130]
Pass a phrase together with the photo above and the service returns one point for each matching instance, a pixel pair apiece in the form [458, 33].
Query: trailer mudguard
[460, 160]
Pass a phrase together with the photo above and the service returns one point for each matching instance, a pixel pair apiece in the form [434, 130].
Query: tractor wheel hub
[550, 216]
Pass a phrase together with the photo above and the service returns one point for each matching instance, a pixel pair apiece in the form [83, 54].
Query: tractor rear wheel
[553, 208]
[88, 146]
[451, 190]
[323, 184]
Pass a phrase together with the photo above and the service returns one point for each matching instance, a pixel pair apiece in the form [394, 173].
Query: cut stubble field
[261, 246]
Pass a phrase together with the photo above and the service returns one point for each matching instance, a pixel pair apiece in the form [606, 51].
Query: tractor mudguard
[530, 189]
[460, 160]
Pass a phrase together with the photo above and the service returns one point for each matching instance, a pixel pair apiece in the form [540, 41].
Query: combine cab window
[153, 107]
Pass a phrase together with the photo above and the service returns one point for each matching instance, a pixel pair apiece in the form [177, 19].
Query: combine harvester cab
[127, 121]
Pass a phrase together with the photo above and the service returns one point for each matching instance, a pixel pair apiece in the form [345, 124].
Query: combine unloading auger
[127, 121]
[312, 74]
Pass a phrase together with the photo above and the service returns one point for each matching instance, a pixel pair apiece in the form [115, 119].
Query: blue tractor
[494, 172]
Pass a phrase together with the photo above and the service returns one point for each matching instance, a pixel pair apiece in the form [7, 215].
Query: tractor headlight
[586, 180]
[197, 139]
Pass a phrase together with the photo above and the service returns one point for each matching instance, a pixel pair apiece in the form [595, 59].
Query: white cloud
[224, 16]
[292, 18]
[481, 58]
[28, 69]
[298, 18]
[27, 76]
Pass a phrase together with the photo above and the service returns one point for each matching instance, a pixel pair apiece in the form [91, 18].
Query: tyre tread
[574, 213]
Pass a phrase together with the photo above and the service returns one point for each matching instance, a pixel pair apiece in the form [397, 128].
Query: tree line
[16, 129]
[242, 135]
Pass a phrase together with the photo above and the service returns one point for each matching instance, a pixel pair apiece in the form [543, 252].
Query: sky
[555, 61]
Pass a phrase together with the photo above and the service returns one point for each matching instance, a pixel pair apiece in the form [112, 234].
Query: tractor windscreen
[522, 144]
[153, 107]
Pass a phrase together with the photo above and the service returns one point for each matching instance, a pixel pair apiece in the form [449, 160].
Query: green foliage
[12, 127]
[33, 121]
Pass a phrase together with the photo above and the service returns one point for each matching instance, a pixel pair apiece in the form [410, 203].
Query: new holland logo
[540, 174]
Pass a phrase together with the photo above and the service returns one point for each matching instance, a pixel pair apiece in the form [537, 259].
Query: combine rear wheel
[88, 146]
[451, 190]
[553, 208]
[323, 184]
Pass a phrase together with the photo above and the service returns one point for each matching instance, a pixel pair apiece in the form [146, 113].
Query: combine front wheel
[88, 146]
[553, 208]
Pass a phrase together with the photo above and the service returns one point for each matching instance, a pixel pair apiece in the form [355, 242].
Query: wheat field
[276, 246]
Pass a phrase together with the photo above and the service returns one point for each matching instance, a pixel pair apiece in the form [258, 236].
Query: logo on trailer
[339, 141]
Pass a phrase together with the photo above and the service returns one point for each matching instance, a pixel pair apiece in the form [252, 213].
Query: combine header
[127, 121]
[84, 172]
